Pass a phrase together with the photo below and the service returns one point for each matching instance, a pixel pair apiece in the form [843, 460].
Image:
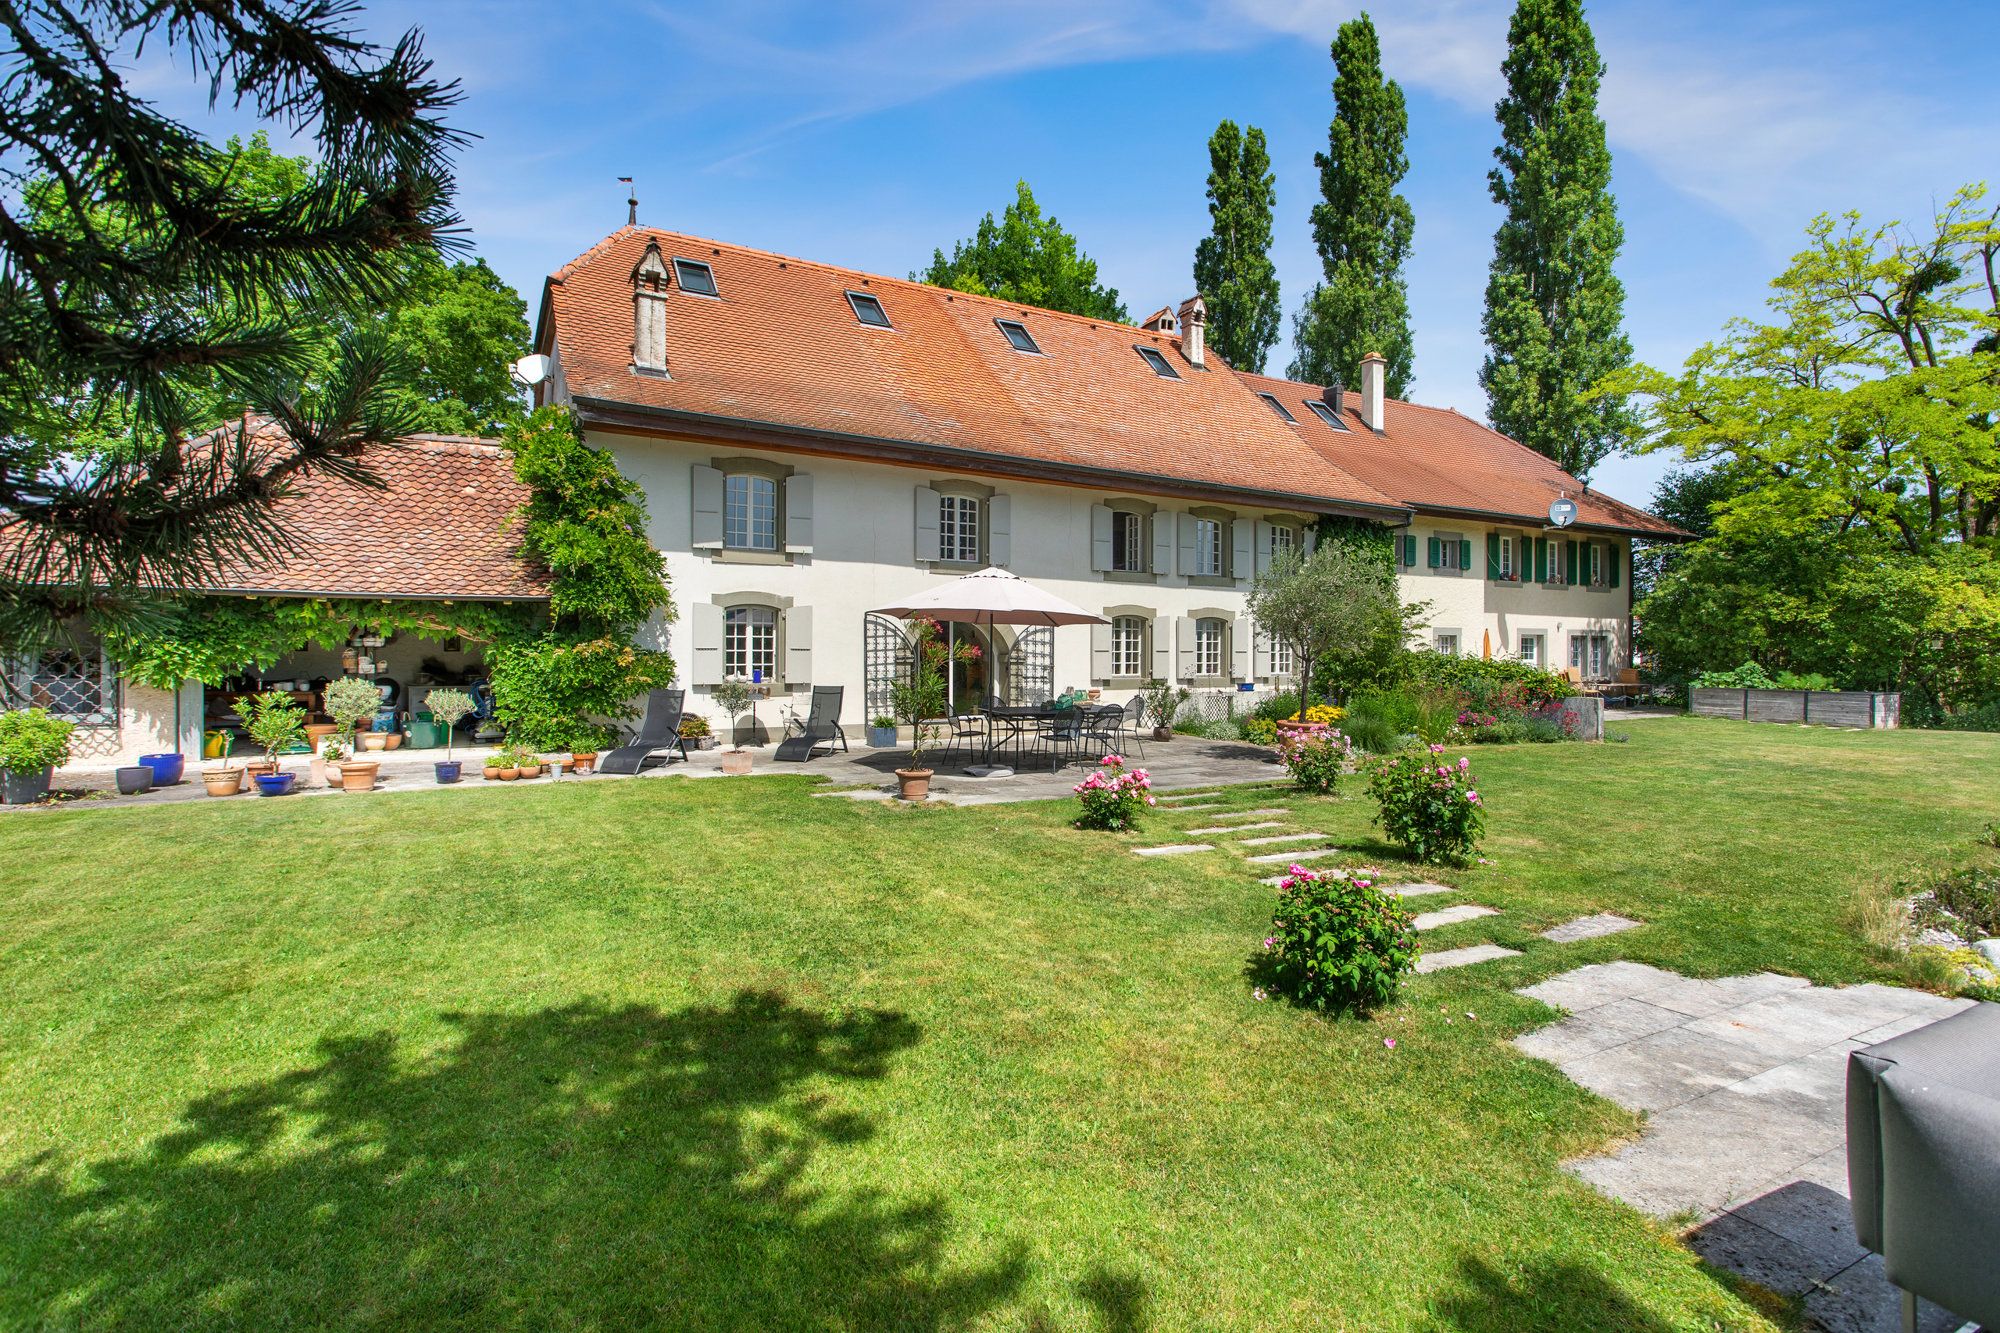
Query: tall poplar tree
[1361, 226]
[1554, 307]
[1232, 264]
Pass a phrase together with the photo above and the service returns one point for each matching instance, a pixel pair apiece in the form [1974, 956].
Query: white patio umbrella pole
[992, 597]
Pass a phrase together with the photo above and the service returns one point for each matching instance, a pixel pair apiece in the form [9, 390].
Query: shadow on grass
[582, 1166]
[1548, 1297]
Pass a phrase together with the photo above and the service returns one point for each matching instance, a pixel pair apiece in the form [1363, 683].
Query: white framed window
[75, 684]
[1128, 645]
[1532, 650]
[958, 528]
[1282, 662]
[1591, 655]
[749, 512]
[1283, 539]
[1128, 541]
[1208, 647]
[750, 643]
[1207, 546]
[1445, 641]
[1506, 549]
[1592, 556]
[1555, 568]
[1449, 550]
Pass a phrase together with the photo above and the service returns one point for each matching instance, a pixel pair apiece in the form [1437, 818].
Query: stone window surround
[1291, 523]
[770, 601]
[963, 488]
[744, 466]
[1149, 513]
[1228, 619]
[1225, 541]
[1146, 616]
[1456, 635]
[1446, 571]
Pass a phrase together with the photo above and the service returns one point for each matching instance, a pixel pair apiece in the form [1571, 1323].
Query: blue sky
[868, 133]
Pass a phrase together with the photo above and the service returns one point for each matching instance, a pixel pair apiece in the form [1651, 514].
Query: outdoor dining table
[1019, 721]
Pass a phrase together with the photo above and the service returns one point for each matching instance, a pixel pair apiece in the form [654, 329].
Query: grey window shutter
[1184, 645]
[1100, 652]
[1000, 531]
[1163, 648]
[1260, 539]
[1260, 664]
[1186, 565]
[1163, 545]
[1241, 548]
[799, 513]
[1100, 537]
[1310, 537]
[707, 515]
[1239, 647]
[798, 646]
[706, 669]
[927, 523]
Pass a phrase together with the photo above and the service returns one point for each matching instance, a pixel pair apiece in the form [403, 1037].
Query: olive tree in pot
[32, 746]
[447, 708]
[275, 722]
[734, 696]
[350, 701]
[1164, 700]
[921, 702]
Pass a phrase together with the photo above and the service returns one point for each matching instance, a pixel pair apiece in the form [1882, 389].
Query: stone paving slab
[1174, 849]
[1259, 812]
[1211, 805]
[1272, 858]
[1451, 916]
[1416, 890]
[1589, 928]
[1743, 1080]
[1470, 954]
[1282, 837]
[1185, 795]
[1235, 828]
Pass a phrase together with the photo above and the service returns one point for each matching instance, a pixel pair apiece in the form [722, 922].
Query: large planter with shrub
[882, 734]
[914, 784]
[25, 787]
[449, 770]
[736, 761]
[275, 784]
[33, 746]
[1862, 709]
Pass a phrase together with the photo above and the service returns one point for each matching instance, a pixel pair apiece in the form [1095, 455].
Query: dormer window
[1277, 406]
[869, 310]
[1152, 357]
[1018, 336]
[1324, 413]
[695, 277]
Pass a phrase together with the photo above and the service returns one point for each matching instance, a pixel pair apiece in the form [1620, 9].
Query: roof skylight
[1277, 406]
[1018, 335]
[1152, 357]
[695, 277]
[1326, 414]
[869, 310]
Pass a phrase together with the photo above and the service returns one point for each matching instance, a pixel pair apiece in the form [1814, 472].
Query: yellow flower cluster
[1323, 714]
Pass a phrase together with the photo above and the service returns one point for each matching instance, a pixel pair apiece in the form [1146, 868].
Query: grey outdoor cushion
[1923, 1159]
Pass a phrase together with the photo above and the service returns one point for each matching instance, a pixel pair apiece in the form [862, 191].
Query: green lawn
[723, 1055]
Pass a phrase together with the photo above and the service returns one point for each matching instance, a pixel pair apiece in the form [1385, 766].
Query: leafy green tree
[1361, 226]
[1337, 608]
[142, 278]
[1232, 264]
[1028, 258]
[1554, 308]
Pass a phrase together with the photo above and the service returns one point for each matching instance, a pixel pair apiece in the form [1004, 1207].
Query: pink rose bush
[1429, 804]
[1315, 759]
[1114, 796]
[1337, 942]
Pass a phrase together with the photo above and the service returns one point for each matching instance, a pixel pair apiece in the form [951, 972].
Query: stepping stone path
[1186, 795]
[1175, 849]
[1272, 858]
[1471, 953]
[1212, 805]
[1258, 813]
[1589, 928]
[1282, 837]
[1417, 890]
[1451, 916]
[1235, 828]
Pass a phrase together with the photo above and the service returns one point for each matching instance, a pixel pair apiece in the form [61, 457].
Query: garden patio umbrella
[992, 597]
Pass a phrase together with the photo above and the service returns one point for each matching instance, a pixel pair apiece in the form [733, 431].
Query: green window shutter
[1569, 562]
[1434, 550]
[1493, 556]
[1541, 559]
[1465, 556]
[1409, 551]
[1611, 563]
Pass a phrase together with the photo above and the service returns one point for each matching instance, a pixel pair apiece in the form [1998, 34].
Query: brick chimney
[649, 313]
[1194, 317]
[1374, 375]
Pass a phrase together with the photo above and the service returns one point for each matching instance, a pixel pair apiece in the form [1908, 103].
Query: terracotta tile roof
[442, 528]
[1433, 458]
[779, 346]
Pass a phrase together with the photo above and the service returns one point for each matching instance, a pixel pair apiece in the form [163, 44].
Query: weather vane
[631, 201]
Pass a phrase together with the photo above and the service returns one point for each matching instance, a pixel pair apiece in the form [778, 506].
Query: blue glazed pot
[275, 784]
[167, 768]
[449, 769]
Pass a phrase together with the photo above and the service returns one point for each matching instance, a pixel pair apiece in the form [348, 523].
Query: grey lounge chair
[661, 730]
[1923, 1161]
[821, 727]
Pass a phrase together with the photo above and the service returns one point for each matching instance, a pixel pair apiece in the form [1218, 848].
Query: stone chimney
[649, 313]
[1160, 321]
[1374, 374]
[1194, 316]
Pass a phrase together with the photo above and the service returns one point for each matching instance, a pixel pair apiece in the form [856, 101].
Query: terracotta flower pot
[374, 740]
[256, 768]
[509, 774]
[222, 781]
[1163, 733]
[1300, 729]
[736, 761]
[359, 775]
[583, 763]
[393, 739]
[491, 772]
[319, 731]
[915, 783]
[531, 770]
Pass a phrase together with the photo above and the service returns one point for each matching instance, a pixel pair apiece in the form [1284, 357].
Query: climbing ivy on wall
[1360, 533]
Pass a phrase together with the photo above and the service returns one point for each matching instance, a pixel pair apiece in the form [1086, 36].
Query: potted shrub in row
[882, 732]
[511, 762]
[734, 696]
[696, 732]
[276, 722]
[447, 708]
[32, 746]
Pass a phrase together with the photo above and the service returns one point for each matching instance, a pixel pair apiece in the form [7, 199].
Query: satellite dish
[1562, 512]
[532, 369]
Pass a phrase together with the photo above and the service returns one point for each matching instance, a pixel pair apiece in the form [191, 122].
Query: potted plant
[581, 761]
[491, 769]
[225, 780]
[696, 732]
[734, 696]
[276, 723]
[882, 732]
[447, 708]
[32, 746]
[350, 702]
[920, 704]
[1164, 700]
[527, 762]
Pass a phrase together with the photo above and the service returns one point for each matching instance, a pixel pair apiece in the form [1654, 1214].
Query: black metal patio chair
[1102, 730]
[821, 727]
[1061, 735]
[659, 731]
[1134, 735]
